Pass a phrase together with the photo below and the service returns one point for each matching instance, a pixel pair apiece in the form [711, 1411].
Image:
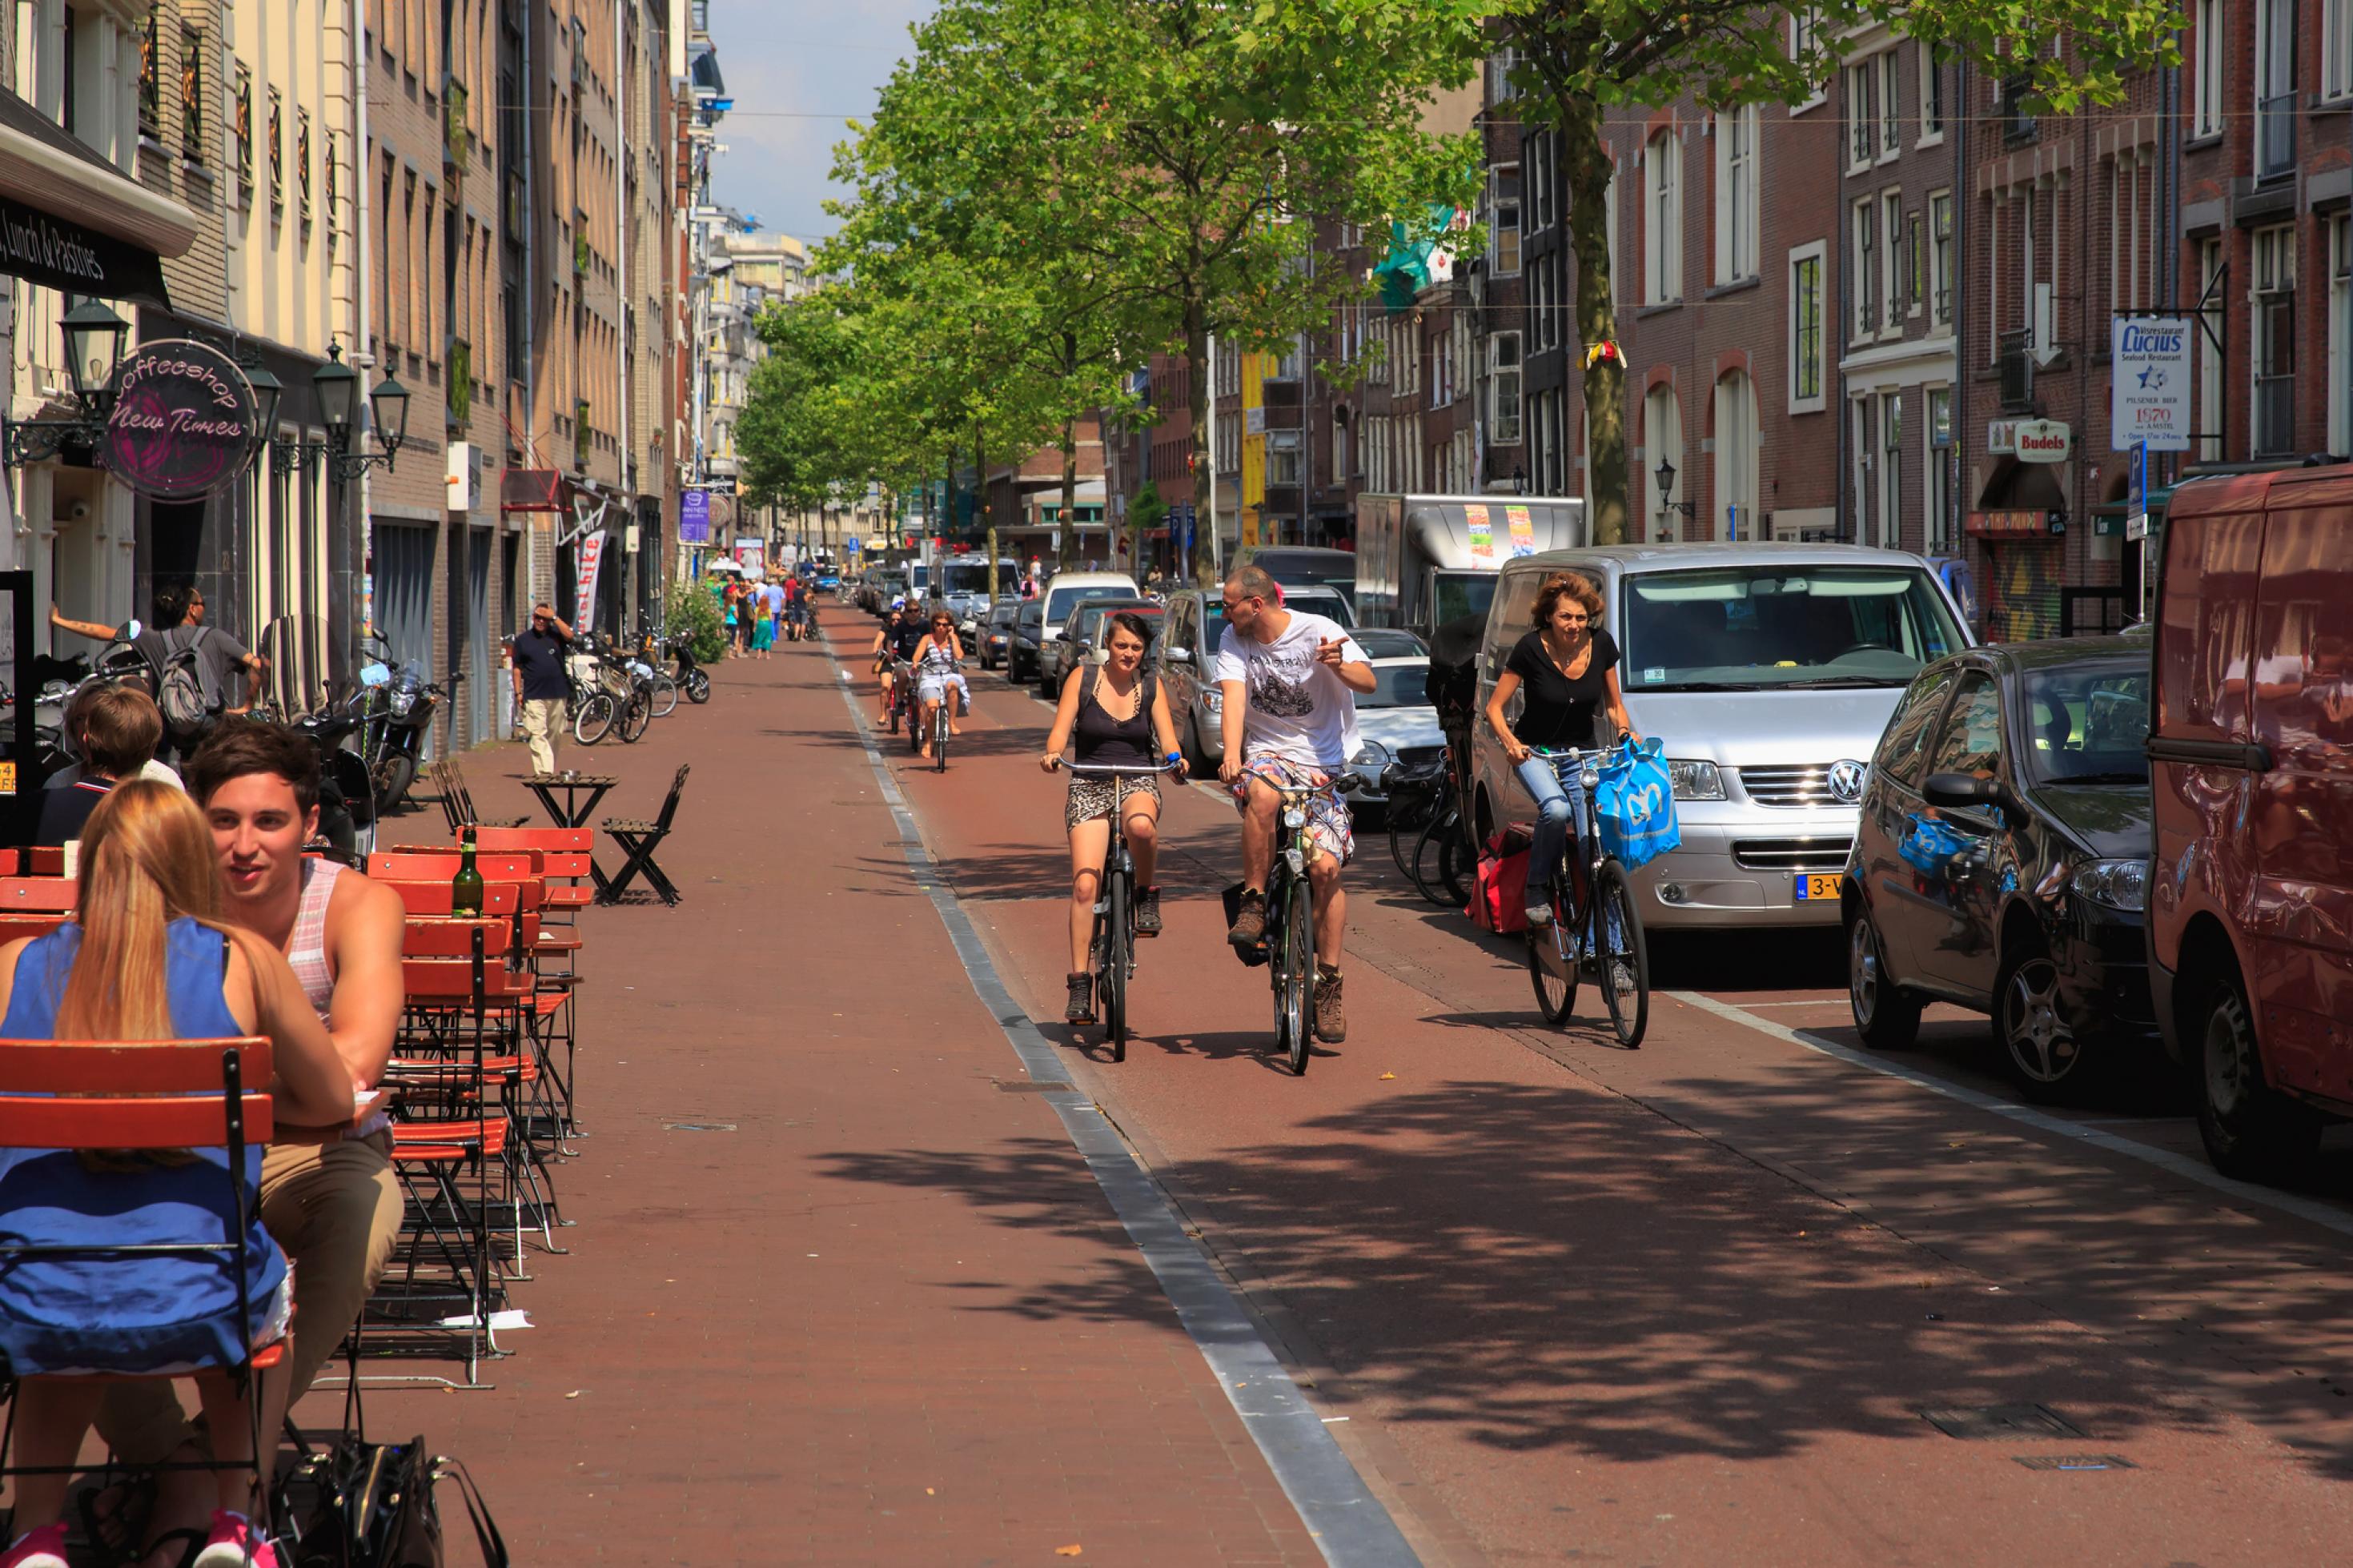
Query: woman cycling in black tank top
[1117, 712]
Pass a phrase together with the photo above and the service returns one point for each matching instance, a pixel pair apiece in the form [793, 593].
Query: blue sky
[797, 69]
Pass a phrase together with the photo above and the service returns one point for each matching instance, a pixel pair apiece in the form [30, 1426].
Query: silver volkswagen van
[1767, 671]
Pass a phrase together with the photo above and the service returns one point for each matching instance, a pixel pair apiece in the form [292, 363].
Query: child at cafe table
[328, 1194]
[147, 959]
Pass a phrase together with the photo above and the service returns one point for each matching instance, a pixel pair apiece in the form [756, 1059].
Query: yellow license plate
[1820, 884]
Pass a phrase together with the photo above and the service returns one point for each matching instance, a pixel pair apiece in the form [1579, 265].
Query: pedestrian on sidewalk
[542, 681]
[1291, 680]
[733, 599]
[763, 626]
[1115, 712]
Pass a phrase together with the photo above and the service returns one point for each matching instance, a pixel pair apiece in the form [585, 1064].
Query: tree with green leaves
[1577, 60]
[1157, 163]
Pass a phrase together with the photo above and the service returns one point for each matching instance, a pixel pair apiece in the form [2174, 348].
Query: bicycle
[1602, 931]
[1113, 948]
[1427, 836]
[902, 703]
[943, 717]
[1289, 945]
[593, 710]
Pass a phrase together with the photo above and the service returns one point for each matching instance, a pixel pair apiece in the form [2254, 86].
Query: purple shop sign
[694, 518]
[182, 421]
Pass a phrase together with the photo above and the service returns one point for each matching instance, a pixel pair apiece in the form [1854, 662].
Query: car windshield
[2087, 723]
[1320, 601]
[1059, 600]
[1091, 618]
[1777, 628]
[1460, 593]
[1397, 686]
[967, 576]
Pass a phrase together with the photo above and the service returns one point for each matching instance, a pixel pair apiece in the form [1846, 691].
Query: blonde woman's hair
[147, 859]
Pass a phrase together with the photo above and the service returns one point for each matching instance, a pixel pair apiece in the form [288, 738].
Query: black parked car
[1029, 632]
[2002, 857]
[994, 637]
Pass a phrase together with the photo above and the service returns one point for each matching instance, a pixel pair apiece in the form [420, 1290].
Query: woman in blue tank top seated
[145, 959]
[1113, 711]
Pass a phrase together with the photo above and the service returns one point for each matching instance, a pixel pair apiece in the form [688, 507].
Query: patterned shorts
[1092, 798]
[1329, 826]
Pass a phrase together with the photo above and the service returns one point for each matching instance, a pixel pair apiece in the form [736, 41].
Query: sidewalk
[769, 1344]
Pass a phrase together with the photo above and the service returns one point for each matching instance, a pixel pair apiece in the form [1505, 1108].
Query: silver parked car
[1188, 661]
[1768, 672]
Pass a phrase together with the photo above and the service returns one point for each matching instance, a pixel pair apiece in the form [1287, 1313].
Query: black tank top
[1111, 743]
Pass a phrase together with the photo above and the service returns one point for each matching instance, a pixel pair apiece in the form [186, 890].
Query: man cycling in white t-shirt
[1290, 681]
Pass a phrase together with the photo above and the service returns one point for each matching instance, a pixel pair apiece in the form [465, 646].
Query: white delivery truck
[1423, 561]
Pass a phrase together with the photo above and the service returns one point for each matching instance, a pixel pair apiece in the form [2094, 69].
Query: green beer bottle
[466, 887]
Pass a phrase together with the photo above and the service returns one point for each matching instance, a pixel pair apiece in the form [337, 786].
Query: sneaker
[1082, 1009]
[1331, 1024]
[234, 1543]
[1250, 920]
[37, 1549]
[1148, 911]
[1621, 978]
[1540, 914]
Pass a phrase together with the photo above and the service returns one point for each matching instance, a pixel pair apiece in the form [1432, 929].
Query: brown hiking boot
[1250, 920]
[1331, 1024]
[1082, 1009]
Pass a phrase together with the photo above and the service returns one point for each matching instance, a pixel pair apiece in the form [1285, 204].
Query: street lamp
[336, 385]
[268, 391]
[93, 336]
[1665, 475]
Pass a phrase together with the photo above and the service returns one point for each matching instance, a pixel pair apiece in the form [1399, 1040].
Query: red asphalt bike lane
[1684, 1304]
[806, 1335]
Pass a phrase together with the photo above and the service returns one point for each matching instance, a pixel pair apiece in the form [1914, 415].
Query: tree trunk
[986, 508]
[1587, 160]
[1067, 539]
[1197, 397]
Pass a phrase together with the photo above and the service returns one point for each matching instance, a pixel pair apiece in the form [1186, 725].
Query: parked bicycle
[1112, 952]
[1428, 838]
[1596, 927]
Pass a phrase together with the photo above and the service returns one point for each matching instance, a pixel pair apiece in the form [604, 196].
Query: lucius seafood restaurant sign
[182, 421]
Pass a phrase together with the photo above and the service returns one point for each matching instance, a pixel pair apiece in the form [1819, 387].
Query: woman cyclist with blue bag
[1568, 666]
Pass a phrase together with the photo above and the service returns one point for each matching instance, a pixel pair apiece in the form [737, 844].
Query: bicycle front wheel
[1622, 955]
[1552, 958]
[1111, 978]
[1297, 978]
[595, 721]
[940, 732]
[665, 696]
[636, 713]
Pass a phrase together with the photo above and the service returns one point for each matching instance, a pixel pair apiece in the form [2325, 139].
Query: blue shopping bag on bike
[1636, 804]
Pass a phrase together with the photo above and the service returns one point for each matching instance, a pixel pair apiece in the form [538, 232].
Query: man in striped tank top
[328, 1194]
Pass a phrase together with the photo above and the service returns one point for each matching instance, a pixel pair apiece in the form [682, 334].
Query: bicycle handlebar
[1115, 770]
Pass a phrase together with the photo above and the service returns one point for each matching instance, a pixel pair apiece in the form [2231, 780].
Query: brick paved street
[1553, 1299]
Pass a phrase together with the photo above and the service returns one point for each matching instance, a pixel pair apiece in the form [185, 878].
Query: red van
[2251, 754]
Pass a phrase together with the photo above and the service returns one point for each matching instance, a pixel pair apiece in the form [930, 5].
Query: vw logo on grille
[1846, 781]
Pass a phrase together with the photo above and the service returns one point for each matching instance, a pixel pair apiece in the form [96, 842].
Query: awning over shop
[70, 220]
[530, 490]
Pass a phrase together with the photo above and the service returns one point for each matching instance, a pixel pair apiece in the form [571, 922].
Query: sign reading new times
[182, 422]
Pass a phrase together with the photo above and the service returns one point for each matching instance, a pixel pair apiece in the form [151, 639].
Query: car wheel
[2048, 1057]
[2251, 1130]
[1886, 1015]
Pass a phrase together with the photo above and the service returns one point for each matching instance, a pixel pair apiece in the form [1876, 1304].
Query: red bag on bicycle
[1498, 898]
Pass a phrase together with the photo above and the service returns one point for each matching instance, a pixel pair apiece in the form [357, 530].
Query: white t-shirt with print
[1298, 708]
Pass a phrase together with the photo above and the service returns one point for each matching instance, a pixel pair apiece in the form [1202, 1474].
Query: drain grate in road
[700, 1126]
[1026, 1086]
[1994, 1421]
[2073, 1461]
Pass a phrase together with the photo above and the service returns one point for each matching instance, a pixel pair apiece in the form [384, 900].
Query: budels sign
[2149, 398]
[2043, 441]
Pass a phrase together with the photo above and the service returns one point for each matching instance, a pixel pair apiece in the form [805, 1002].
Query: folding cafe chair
[638, 840]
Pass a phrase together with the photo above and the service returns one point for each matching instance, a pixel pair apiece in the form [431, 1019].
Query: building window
[2206, 91]
[1931, 93]
[1503, 389]
[2275, 105]
[2275, 341]
[1735, 459]
[1891, 271]
[1282, 459]
[1891, 106]
[302, 162]
[1662, 438]
[1915, 265]
[1538, 156]
[1664, 245]
[2337, 50]
[1804, 35]
[2209, 358]
[2340, 335]
[276, 133]
[1861, 118]
[1941, 258]
[1504, 220]
[1890, 470]
[1865, 254]
[1806, 330]
[192, 95]
[1937, 468]
[1736, 195]
[151, 76]
[243, 110]
[1500, 66]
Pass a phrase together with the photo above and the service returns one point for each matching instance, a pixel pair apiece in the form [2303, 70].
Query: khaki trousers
[334, 1210]
[542, 721]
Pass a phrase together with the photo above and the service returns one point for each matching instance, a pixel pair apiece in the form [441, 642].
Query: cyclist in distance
[1117, 712]
[884, 650]
[1291, 681]
[938, 678]
[1568, 665]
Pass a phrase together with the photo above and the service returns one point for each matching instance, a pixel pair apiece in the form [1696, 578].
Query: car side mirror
[1967, 791]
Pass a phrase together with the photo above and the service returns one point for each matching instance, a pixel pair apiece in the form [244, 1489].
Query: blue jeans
[1557, 806]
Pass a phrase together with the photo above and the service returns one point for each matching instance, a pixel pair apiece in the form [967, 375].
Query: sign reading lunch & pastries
[182, 425]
